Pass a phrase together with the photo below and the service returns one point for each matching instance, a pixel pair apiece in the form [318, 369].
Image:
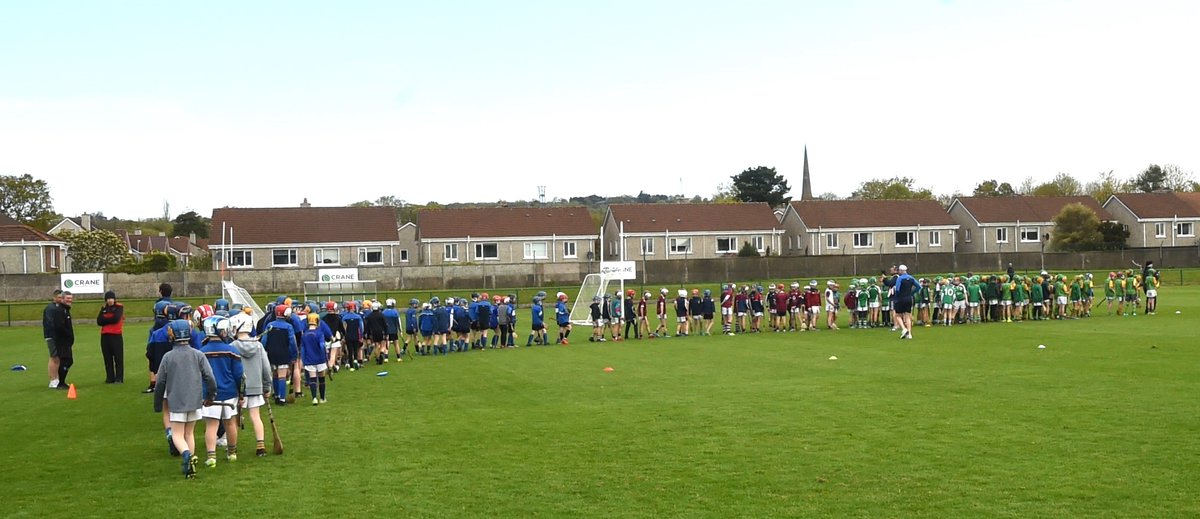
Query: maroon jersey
[781, 301]
[811, 298]
[795, 299]
[641, 308]
[727, 299]
[662, 305]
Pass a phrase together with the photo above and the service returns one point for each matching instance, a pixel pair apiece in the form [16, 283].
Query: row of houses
[293, 237]
[369, 236]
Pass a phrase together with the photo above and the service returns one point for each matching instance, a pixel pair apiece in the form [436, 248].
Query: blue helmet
[221, 304]
[279, 300]
[434, 301]
[414, 302]
[179, 330]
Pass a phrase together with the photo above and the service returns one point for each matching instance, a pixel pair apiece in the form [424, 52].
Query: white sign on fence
[337, 275]
[618, 270]
[77, 283]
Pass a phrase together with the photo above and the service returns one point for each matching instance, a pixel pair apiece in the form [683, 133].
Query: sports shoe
[210, 463]
[149, 389]
[231, 456]
[262, 453]
[189, 465]
[315, 401]
[53, 384]
[324, 401]
[222, 442]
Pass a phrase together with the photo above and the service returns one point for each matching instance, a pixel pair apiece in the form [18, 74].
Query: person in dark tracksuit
[112, 340]
[64, 338]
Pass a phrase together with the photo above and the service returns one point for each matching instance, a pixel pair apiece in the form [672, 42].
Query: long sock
[312, 386]
[259, 444]
[321, 384]
[212, 455]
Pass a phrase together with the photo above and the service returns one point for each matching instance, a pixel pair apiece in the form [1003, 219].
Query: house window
[935, 238]
[487, 251]
[1160, 230]
[831, 241]
[906, 239]
[1184, 229]
[647, 246]
[450, 252]
[757, 242]
[370, 255]
[569, 250]
[326, 257]
[53, 258]
[680, 246]
[403, 255]
[726, 245]
[239, 258]
[864, 239]
[1002, 235]
[535, 250]
[967, 235]
[1029, 235]
[283, 258]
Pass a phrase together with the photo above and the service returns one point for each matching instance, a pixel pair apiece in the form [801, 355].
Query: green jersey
[947, 296]
[1020, 293]
[960, 293]
[974, 293]
[1060, 289]
[1076, 291]
[1037, 292]
[873, 293]
[1131, 286]
[862, 300]
[1110, 290]
[1006, 291]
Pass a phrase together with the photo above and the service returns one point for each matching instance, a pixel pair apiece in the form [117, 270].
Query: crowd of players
[210, 362]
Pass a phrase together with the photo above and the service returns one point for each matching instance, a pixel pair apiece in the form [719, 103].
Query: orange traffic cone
[71, 392]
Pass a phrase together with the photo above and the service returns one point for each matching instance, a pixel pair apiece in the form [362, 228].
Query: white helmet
[663, 291]
[682, 293]
[240, 322]
[391, 303]
[376, 305]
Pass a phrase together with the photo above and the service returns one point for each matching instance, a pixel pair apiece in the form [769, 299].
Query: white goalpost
[597, 284]
[239, 295]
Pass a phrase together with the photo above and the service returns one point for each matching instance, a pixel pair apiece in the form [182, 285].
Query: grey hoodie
[254, 362]
[185, 380]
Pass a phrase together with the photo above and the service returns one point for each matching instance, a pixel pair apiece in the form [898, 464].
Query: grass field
[969, 421]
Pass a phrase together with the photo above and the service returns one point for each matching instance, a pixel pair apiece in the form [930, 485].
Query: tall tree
[1062, 185]
[25, 198]
[1076, 228]
[1177, 179]
[761, 184]
[190, 222]
[1153, 178]
[993, 188]
[1104, 186]
[895, 188]
[95, 251]
[724, 194]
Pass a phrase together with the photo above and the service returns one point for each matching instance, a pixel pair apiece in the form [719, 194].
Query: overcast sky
[121, 105]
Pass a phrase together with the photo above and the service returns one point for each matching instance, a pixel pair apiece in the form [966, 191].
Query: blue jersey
[462, 323]
[226, 364]
[494, 321]
[426, 322]
[473, 311]
[354, 327]
[279, 341]
[441, 320]
[483, 313]
[312, 348]
[537, 315]
[410, 321]
[561, 314]
[391, 317]
[326, 331]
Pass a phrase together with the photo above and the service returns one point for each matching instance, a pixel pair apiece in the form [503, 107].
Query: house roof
[1006, 209]
[505, 222]
[145, 244]
[18, 232]
[846, 214]
[304, 225]
[641, 218]
[1160, 205]
[5, 219]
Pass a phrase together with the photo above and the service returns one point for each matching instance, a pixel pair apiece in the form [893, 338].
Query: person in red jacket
[112, 341]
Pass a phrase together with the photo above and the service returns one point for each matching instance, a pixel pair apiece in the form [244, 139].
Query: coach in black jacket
[64, 337]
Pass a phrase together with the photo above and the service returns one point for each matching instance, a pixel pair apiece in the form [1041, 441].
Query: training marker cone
[71, 392]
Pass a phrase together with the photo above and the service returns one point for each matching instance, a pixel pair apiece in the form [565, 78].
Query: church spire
[806, 191]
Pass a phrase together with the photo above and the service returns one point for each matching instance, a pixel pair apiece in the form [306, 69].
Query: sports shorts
[1006, 302]
[253, 401]
[708, 316]
[726, 310]
[682, 319]
[53, 350]
[973, 304]
[830, 308]
[316, 368]
[1152, 293]
[1062, 300]
[757, 314]
[281, 366]
[190, 416]
[393, 336]
[873, 305]
[218, 411]
[335, 345]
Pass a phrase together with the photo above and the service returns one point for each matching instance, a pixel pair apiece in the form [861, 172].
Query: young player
[832, 304]
[483, 319]
[563, 317]
[727, 308]
[605, 314]
[851, 302]
[795, 308]
[257, 371]
[1131, 291]
[629, 313]
[616, 309]
[494, 320]
[812, 306]
[741, 304]
[185, 384]
[312, 353]
[947, 303]
[708, 310]
[503, 323]
[779, 309]
[353, 339]
[391, 320]
[537, 320]
[923, 303]
[873, 303]
[425, 324]
[376, 325]
[974, 298]
[597, 315]
[643, 316]
[863, 298]
[1088, 293]
[279, 341]
[1060, 297]
[756, 309]
[660, 309]
[410, 323]
[681, 314]
[1036, 296]
[225, 362]
[1150, 287]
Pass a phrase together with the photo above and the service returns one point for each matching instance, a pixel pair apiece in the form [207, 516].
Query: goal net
[239, 295]
[593, 285]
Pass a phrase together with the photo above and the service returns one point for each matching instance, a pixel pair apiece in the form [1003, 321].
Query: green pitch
[970, 421]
